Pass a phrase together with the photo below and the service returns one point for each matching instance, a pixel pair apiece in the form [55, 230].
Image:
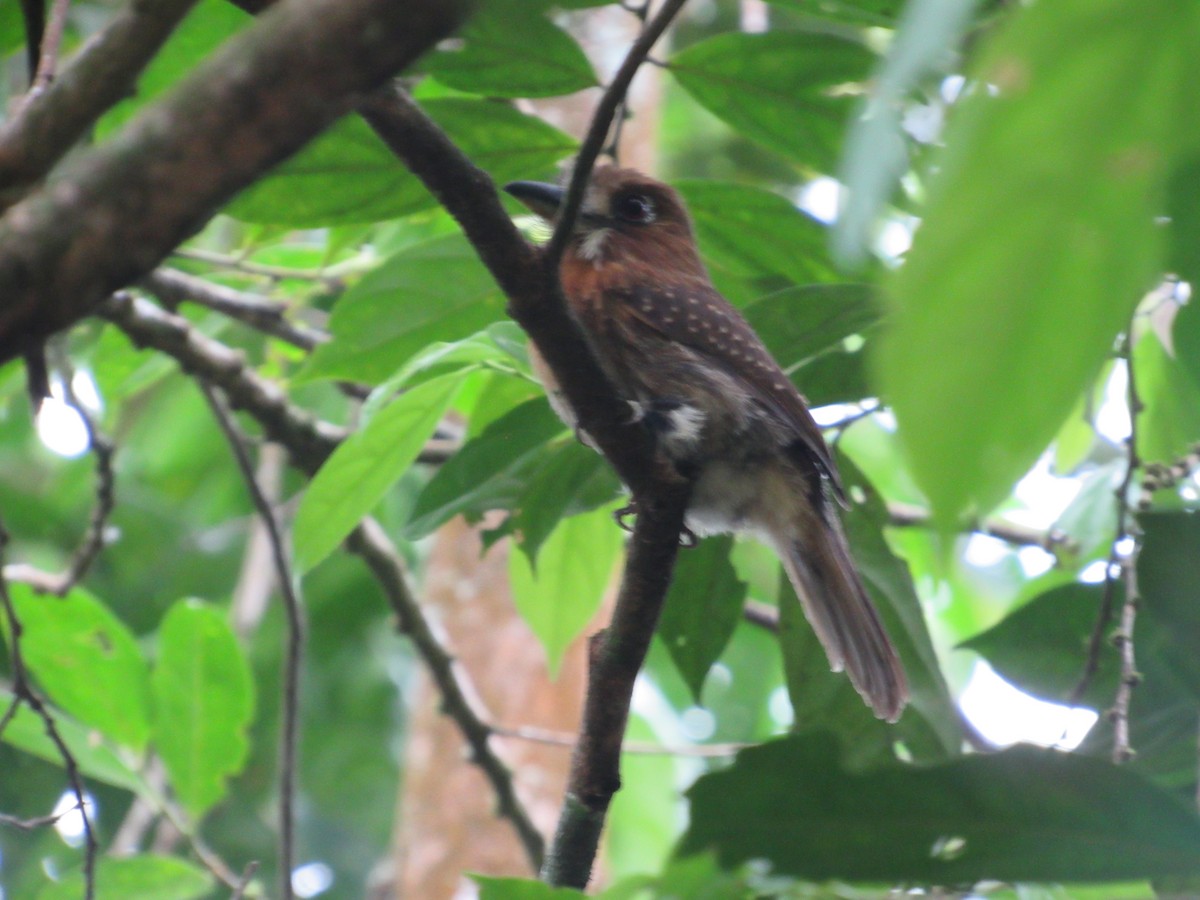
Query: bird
[717, 403]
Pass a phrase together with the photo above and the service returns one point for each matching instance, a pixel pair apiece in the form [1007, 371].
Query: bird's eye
[635, 208]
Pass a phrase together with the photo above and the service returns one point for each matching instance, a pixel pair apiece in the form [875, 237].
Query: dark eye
[635, 208]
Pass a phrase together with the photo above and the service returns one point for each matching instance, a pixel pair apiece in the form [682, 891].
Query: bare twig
[1052, 541]
[239, 890]
[1114, 568]
[55, 118]
[593, 141]
[371, 544]
[295, 638]
[1123, 639]
[329, 278]
[23, 692]
[639, 748]
[32, 824]
[309, 440]
[56, 23]
[173, 287]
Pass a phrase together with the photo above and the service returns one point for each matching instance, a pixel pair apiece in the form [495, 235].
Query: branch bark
[116, 212]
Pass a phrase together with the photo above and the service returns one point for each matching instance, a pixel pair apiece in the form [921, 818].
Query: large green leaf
[777, 88]
[1038, 241]
[858, 12]
[435, 291]
[574, 568]
[1042, 647]
[747, 232]
[512, 51]
[1024, 814]
[87, 661]
[520, 889]
[204, 701]
[95, 759]
[488, 473]
[1183, 207]
[348, 175]
[355, 478]
[703, 606]
[144, 877]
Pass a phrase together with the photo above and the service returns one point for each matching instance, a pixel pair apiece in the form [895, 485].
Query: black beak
[544, 199]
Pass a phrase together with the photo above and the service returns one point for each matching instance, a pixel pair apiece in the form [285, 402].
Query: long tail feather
[843, 617]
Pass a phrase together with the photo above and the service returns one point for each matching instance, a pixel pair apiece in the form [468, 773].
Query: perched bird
[718, 404]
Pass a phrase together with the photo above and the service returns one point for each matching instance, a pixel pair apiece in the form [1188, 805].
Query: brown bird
[718, 404]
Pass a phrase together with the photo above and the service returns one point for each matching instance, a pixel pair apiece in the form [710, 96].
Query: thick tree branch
[102, 72]
[116, 212]
[615, 657]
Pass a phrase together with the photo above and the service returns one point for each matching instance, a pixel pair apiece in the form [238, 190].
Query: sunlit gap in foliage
[68, 818]
[59, 427]
[311, 879]
[821, 198]
[1005, 715]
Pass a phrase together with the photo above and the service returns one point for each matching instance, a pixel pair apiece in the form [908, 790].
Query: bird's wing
[698, 317]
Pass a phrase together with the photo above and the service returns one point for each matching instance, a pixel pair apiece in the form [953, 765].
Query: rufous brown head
[626, 217]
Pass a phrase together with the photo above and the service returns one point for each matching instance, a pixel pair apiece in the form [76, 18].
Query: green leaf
[703, 607]
[1185, 335]
[435, 291]
[203, 30]
[1183, 208]
[798, 323]
[204, 702]
[573, 572]
[27, 731]
[777, 88]
[1169, 424]
[512, 51]
[839, 376]
[1021, 247]
[568, 480]
[490, 472]
[1023, 814]
[88, 662]
[859, 12]
[1042, 647]
[520, 889]
[355, 478]
[144, 877]
[748, 232]
[348, 175]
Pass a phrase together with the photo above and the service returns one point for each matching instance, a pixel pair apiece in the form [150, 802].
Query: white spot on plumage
[684, 427]
[592, 246]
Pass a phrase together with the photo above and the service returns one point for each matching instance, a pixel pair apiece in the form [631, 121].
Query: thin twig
[51, 42]
[638, 748]
[295, 638]
[602, 119]
[247, 876]
[613, 149]
[904, 515]
[173, 287]
[1122, 751]
[32, 824]
[23, 692]
[331, 278]
[1113, 570]
[370, 542]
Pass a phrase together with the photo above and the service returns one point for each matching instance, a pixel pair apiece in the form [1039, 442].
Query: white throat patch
[591, 247]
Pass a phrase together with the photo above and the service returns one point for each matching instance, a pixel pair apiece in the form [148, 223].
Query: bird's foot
[687, 537]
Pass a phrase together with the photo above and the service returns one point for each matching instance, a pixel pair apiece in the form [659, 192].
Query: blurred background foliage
[1041, 160]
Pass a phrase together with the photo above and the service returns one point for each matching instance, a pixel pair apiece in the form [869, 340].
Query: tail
[845, 621]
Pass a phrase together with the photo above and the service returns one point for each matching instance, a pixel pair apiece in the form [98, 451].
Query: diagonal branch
[115, 212]
[51, 121]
